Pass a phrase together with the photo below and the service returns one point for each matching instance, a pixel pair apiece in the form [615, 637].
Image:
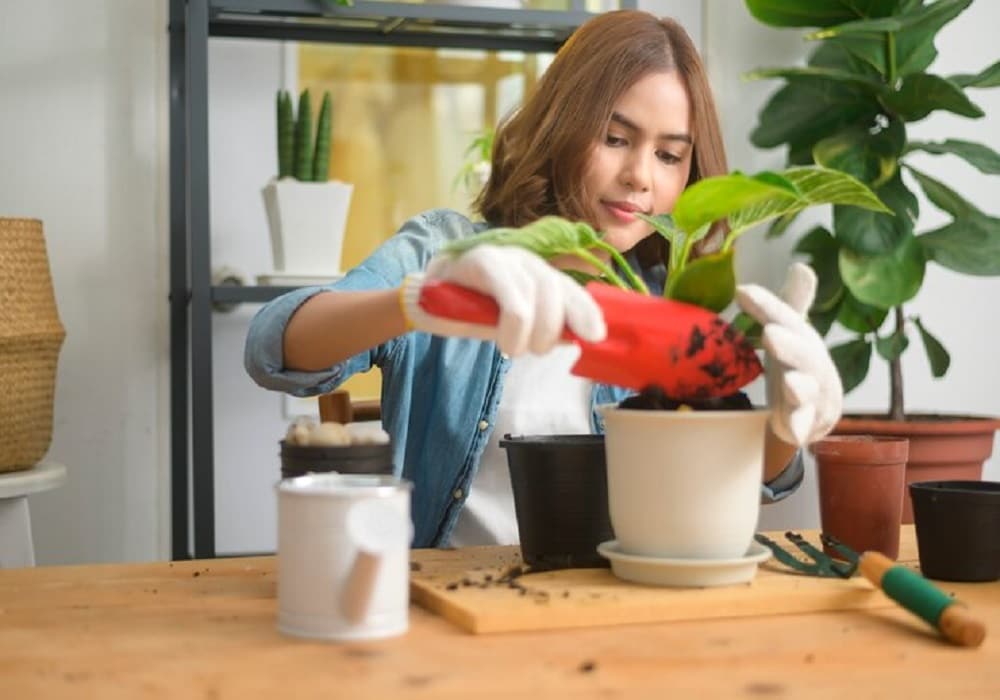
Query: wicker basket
[30, 338]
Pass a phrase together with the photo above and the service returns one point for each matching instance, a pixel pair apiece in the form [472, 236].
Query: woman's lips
[622, 211]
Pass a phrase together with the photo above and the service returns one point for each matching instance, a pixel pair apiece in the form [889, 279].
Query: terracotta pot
[861, 481]
[942, 447]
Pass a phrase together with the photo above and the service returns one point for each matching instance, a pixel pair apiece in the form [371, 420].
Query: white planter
[307, 222]
[684, 484]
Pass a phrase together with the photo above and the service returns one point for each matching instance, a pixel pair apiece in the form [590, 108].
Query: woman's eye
[613, 140]
[668, 157]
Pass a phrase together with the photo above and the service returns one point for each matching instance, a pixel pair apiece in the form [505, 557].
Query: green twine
[915, 593]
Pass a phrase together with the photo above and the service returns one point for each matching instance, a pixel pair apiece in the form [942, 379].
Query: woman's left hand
[803, 386]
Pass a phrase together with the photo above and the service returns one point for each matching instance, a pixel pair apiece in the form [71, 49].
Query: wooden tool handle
[923, 598]
[960, 627]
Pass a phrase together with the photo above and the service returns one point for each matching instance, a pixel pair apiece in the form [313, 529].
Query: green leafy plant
[299, 155]
[477, 155]
[848, 109]
[742, 201]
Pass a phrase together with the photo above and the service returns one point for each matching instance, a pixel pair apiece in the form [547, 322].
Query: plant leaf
[986, 78]
[885, 280]
[816, 185]
[822, 321]
[852, 360]
[708, 281]
[914, 29]
[922, 93]
[781, 224]
[808, 13]
[859, 317]
[970, 245]
[836, 75]
[942, 196]
[892, 346]
[822, 249]
[874, 233]
[981, 157]
[871, 158]
[715, 198]
[937, 356]
[807, 109]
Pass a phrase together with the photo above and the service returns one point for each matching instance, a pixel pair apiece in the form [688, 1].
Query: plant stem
[896, 375]
[890, 58]
[634, 279]
[605, 269]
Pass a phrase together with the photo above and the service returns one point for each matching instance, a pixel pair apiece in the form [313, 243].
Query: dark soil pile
[653, 398]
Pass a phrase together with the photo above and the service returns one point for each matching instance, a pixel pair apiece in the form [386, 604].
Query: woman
[621, 122]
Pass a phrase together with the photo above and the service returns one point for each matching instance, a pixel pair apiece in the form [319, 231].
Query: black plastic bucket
[561, 499]
[297, 460]
[958, 529]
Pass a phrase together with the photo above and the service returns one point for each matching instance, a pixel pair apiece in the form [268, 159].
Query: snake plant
[299, 155]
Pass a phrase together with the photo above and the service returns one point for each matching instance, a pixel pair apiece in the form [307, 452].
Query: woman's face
[641, 163]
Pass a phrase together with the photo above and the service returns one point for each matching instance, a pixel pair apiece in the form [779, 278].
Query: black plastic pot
[561, 498]
[297, 460]
[958, 529]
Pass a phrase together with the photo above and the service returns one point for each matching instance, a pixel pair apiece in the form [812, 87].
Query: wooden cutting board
[473, 588]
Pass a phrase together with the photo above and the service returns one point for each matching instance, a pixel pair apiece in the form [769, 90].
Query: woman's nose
[635, 173]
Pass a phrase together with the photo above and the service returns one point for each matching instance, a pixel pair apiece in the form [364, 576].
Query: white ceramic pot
[307, 221]
[684, 484]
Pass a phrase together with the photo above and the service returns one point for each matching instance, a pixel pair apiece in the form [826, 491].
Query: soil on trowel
[653, 398]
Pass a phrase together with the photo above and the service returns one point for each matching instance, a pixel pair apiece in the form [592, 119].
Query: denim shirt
[439, 395]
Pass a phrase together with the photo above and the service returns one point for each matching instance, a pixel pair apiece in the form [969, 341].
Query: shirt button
[483, 425]
[457, 494]
[505, 356]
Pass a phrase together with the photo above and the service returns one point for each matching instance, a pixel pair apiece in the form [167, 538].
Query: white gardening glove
[803, 387]
[536, 300]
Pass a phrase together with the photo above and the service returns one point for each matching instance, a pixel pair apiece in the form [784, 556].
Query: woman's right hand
[536, 300]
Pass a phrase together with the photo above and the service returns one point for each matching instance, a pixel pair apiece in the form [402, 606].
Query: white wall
[958, 309]
[83, 144]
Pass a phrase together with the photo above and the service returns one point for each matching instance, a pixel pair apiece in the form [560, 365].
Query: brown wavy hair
[541, 150]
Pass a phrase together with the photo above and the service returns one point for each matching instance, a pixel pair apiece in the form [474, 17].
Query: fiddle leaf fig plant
[849, 109]
[742, 201]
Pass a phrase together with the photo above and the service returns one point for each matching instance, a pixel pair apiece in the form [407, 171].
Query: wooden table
[205, 629]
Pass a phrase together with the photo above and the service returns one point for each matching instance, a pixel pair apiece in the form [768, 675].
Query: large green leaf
[921, 93]
[970, 245]
[708, 281]
[912, 31]
[852, 360]
[872, 158]
[815, 186]
[859, 317]
[986, 78]
[875, 233]
[981, 157]
[885, 280]
[830, 54]
[821, 248]
[864, 82]
[808, 109]
[937, 356]
[715, 198]
[942, 196]
[815, 13]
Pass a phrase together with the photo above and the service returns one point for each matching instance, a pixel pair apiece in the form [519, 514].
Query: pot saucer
[663, 571]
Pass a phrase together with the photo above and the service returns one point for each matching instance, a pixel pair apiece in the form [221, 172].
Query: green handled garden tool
[903, 585]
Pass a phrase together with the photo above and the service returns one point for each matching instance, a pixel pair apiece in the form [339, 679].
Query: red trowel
[690, 352]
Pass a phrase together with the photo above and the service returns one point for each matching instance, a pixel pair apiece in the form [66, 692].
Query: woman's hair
[541, 151]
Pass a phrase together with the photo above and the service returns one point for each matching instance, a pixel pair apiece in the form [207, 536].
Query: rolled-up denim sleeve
[786, 483]
[406, 251]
